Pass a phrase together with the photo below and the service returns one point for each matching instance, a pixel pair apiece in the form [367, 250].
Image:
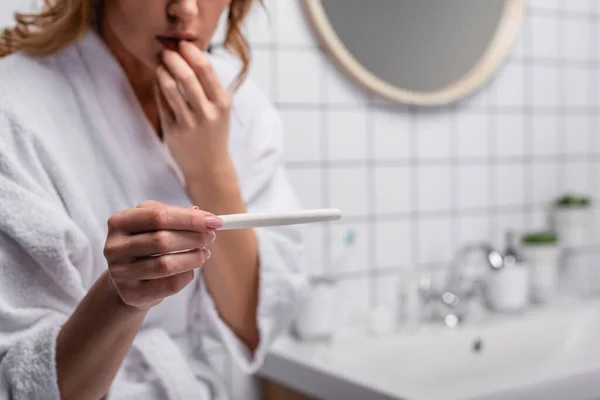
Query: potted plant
[571, 219]
[541, 252]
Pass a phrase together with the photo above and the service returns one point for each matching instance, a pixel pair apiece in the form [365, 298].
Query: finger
[203, 69]
[167, 118]
[150, 203]
[147, 293]
[153, 203]
[158, 218]
[126, 248]
[162, 266]
[164, 287]
[182, 72]
[168, 87]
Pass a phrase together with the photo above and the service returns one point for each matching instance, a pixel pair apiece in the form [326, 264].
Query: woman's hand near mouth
[196, 127]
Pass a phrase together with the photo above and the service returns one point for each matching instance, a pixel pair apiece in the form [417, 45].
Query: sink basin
[546, 353]
[446, 356]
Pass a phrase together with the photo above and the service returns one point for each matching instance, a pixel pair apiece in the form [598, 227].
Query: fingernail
[213, 222]
[211, 236]
[207, 253]
[196, 208]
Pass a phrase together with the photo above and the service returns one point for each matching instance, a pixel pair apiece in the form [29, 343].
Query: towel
[75, 147]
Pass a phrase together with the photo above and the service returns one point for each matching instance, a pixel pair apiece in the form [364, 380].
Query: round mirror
[425, 52]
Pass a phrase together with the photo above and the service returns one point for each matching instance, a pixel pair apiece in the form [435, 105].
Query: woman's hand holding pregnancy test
[152, 250]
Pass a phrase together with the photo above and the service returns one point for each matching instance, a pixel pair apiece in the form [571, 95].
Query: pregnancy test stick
[257, 220]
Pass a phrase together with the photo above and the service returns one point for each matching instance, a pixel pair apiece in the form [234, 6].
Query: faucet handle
[427, 290]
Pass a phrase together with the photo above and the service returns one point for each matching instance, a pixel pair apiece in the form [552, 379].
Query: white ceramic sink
[449, 355]
[550, 353]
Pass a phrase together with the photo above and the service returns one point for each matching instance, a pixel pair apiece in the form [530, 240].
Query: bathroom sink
[547, 353]
[445, 357]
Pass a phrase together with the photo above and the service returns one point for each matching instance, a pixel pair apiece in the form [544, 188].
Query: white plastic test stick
[257, 220]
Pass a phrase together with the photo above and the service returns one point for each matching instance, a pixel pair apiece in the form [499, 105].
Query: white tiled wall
[416, 183]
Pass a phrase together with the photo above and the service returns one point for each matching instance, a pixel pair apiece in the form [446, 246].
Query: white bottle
[509, 286]
[316, 317]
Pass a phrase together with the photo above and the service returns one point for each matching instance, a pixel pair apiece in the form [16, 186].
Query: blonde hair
[61, 22]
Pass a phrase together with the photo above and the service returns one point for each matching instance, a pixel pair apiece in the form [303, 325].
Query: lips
[171, 42]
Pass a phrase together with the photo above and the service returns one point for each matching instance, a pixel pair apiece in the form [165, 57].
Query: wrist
[111, 293]
[216, 176]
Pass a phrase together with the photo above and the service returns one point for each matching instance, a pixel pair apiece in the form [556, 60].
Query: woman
[117, 130]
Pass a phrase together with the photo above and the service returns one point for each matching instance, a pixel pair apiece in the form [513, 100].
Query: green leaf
[541, 237]
[570, 200]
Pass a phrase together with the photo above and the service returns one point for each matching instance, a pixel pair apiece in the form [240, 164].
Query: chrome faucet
[449, 304]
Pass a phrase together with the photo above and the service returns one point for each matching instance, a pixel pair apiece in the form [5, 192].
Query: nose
[183, 10]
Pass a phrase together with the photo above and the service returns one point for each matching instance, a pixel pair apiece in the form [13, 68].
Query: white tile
[308, 185]
[261, 71]
[596, 225]
[473, 191]
[348, 190]
[393, 247]
[299, 74]
[347, 135]
[544, 85]
[578, 180]
[544, 134]
[434, 188]
[580, 6]
[259, 24]
[545, 36]
[434, 240]
[595, 52]
[392, 190]
[522, 45]
[339, 88]
[388, 291]
[595, 190]
[577, 134]
[473, 132]
[391, 129]
[292, 24]
[349, 257]
[433, 135]
[354, 302]
[577, 82]
[578, 38]
[303, 135]
[545, 183]
[509, 185]
[508, 86]
[546, 4]
[540, 219]
[505, 222]
[473, 228]
[479, 97]
[510, 135]
[314, 242]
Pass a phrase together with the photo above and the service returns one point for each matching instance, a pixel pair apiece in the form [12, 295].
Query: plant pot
[572, 225]
[543, 261]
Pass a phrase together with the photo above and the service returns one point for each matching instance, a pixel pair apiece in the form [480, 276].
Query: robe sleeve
[40, 284]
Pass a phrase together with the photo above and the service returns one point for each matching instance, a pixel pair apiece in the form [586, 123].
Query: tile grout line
[374, 299]
[528, 165]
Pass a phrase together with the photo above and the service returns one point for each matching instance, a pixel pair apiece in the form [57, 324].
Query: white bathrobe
[75, 147]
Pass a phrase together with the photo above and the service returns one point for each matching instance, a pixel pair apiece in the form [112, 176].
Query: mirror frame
[497, 50]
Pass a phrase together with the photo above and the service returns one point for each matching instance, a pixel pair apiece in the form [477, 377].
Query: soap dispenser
[509, 285]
